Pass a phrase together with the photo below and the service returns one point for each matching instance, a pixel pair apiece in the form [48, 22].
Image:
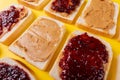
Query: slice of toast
[81, 22]
[62, 16]
[17, 28]
[40, 42]
[35, 4]
[55, 71]
[12, 62]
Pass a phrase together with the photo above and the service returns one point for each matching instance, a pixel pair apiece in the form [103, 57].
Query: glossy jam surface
[8, 72]
[8, 18]
[83, 59]
[66, 6]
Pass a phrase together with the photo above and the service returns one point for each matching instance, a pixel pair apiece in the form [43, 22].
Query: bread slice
[18, 27]
[54, 72]
[62, 16]
[109, 33]
[40, 38]
[13, 62]
[38, 4]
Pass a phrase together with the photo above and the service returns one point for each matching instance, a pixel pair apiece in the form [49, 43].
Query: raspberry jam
[8, 72]
[83, 59]
[66, 6]
[8, 18]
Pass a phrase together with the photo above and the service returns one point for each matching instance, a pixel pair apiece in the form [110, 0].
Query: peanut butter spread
[100, 14]
[40, 40]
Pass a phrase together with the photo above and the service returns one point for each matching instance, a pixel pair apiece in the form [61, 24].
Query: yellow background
[43, 75]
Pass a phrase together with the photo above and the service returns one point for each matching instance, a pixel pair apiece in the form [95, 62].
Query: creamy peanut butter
[40, 40]
[100, 14]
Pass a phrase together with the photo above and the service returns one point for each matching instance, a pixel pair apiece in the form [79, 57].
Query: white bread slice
[54, 72]
[69, 18]
[18, 28]
[110, 33]
[41, 65]
[35, 5]
[13, 62]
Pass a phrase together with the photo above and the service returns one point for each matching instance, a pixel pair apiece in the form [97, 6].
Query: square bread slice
[10, 33]
[12, 62]
[102, 30]
[63, 16]
[35, 4]
[39, 43]
[56, 69]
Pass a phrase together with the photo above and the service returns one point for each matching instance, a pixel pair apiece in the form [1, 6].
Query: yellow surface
[43, 75]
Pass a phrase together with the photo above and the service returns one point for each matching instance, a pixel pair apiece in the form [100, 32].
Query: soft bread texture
[54, 72]
[110, 33]
[13, 62]
[58, 15]
[18, 28]
[39, 5]
[40, 65]
[118, 69]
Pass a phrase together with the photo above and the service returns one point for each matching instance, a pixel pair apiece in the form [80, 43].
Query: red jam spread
[8, 72]
[83, 59]
[8, 18]
[65, 5]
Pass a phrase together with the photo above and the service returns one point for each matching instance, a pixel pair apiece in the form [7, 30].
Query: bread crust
[38, 6]
[54, 72]
[13, 62]
[19, 27]
[111, 32]
[40, 65]
[69, 18]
